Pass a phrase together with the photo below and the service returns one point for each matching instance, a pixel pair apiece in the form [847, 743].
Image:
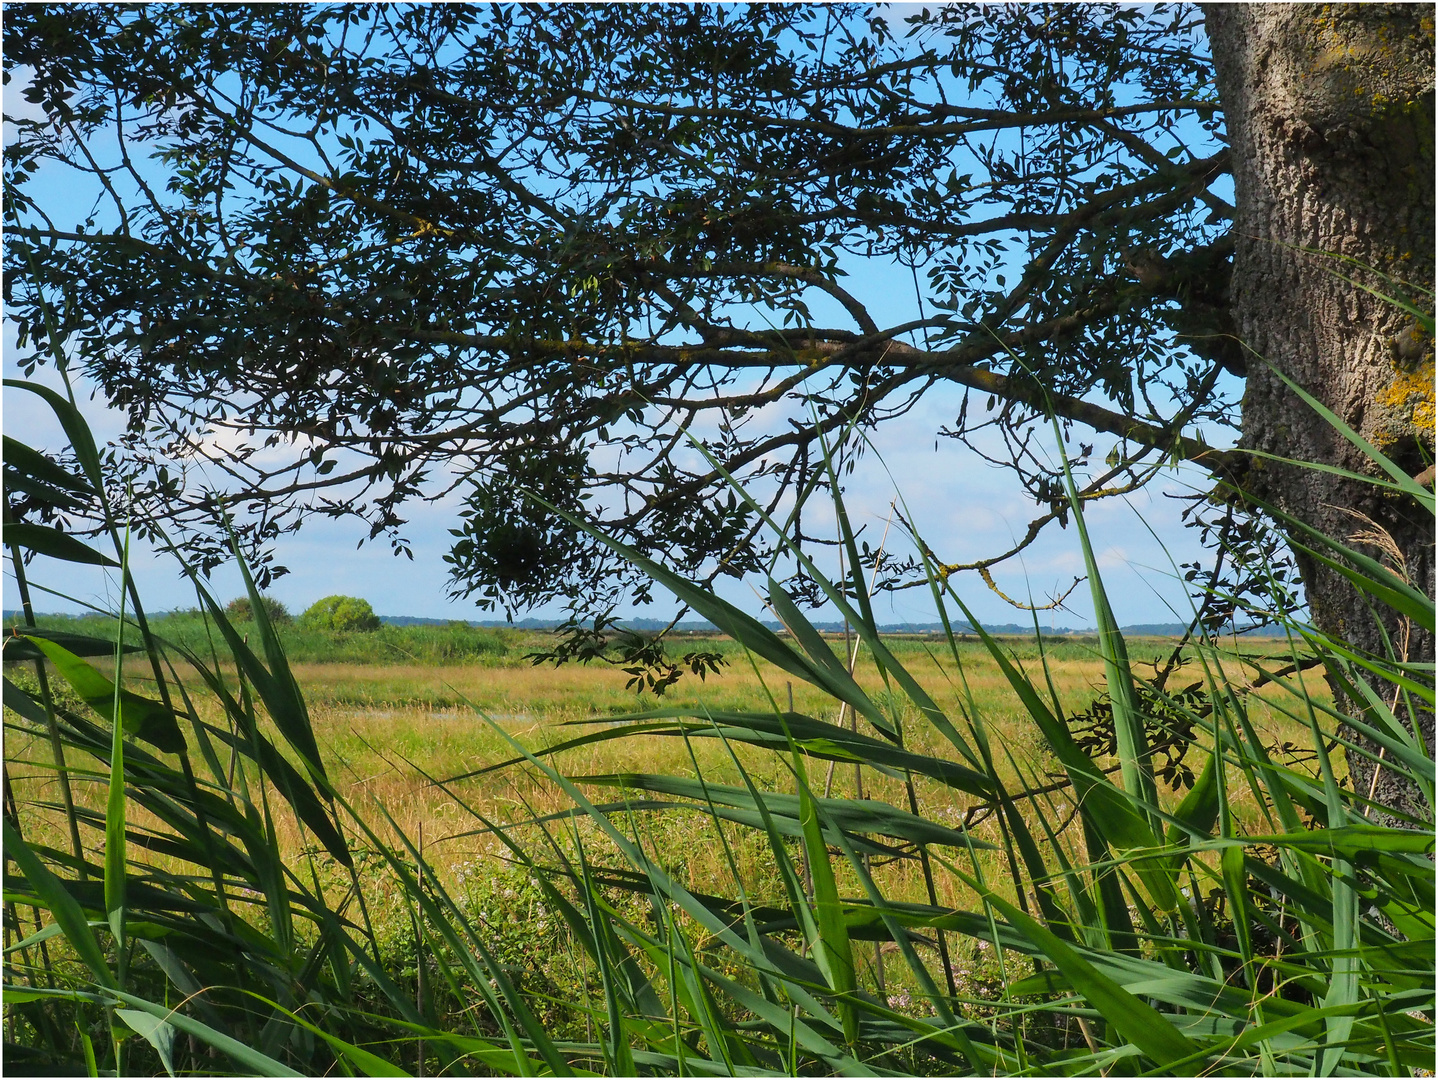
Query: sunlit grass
[389, 730]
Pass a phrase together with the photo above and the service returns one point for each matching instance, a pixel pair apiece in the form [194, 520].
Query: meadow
[399, 713]
[405, 720]
[414, 851]
[388, 726]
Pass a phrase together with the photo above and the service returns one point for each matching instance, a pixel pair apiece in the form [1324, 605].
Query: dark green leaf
[140, 717]
[54, 544]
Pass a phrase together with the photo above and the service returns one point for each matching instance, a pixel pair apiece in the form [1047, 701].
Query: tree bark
[1330, 113]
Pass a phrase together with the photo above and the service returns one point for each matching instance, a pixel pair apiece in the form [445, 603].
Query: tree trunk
[1330, 119]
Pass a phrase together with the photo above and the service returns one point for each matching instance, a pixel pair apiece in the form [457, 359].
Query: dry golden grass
[388, 731]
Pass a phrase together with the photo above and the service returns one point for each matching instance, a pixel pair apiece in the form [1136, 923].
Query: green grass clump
[340, 614]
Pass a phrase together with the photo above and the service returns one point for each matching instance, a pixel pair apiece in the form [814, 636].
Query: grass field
[395, 852]
[389, 725]
[396, 710]
[419, 736]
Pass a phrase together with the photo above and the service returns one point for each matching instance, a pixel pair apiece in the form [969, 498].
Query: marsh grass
[384, 729]
[380, 756]
[384, 754]
[252, 864]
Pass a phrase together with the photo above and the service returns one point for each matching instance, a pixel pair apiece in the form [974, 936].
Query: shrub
[340, 614]
[239, 610]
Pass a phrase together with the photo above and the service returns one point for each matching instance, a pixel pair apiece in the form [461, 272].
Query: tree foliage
[346, 257]
[340, 614]
[240, 610]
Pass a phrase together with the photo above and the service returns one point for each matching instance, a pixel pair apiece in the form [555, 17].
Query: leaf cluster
[356, 257]
[340, 615]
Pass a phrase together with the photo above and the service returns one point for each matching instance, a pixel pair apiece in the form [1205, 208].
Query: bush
[239, 610]
[340, 614]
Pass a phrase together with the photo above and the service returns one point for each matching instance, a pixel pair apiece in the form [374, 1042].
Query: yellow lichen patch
[1410, 394]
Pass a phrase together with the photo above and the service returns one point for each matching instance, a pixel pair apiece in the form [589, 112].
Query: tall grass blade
[62, 905]
[1112, 813]
[817, 738]
[615, 1044]
[1133, 748]
[116, 853]
[158, 1033]
[1405, 482]
[243, 1055]
[128, 711]
[832, 948]
[77, 431]
[1138, 1021]
[29, 471]
[55, 544]
[742, 627]
[277, 690]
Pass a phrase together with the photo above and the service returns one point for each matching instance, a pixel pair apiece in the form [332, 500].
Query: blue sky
[965, 509]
